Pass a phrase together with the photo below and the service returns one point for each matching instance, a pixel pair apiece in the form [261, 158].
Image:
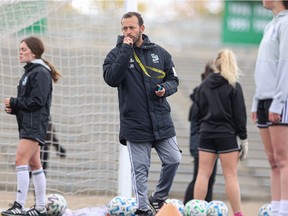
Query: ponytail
[227, 66]
[55, 74]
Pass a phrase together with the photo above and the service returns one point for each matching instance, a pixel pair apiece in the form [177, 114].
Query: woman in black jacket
[32, 110]
[221, 118]
[194, 143]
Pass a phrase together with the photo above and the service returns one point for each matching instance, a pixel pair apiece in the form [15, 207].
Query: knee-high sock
[283, 209]
[275, 208]
[22, 183]
[39, 181]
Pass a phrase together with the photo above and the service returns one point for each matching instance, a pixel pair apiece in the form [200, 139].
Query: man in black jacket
[144, 75]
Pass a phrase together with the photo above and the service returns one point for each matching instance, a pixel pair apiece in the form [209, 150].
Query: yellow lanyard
[143, 67]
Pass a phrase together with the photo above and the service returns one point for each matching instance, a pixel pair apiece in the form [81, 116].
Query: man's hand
[160, 92]
[244, 149]
[128, 40]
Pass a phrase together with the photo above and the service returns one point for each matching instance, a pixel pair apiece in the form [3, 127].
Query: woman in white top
[270, 104]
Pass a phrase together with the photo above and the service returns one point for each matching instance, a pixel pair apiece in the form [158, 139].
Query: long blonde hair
[226, 64]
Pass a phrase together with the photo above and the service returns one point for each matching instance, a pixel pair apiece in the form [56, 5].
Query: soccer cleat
[154, 204]
[143, 213]
[36, 212]
[16, 209]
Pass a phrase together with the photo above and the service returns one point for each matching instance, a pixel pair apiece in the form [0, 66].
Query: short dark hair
[131, 14]
[285, 3]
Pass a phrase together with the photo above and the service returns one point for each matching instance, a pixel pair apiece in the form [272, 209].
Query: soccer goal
[84, 110]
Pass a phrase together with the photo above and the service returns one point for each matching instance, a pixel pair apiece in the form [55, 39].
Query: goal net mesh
[84, 109]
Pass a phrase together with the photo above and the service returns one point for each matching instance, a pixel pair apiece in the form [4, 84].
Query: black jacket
[221, 108]
[143, 115]
[33, 101]
[194, 134]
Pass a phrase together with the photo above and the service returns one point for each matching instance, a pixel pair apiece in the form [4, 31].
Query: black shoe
[154, 204]
[36, 212]
[16, 209]
[144, 213]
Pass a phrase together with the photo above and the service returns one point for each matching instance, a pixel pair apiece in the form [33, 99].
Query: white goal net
[77, 35]
[84, 109]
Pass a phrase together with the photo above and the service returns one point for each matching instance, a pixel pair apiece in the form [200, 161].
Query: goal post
[125, 181]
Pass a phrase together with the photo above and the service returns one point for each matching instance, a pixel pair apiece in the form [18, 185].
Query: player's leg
[205, 169]
[263, 125]
[211, 182]
[279, 137]
[170, 156]
[229, 162]
[39, 180]
[140, 156]
[25, 150]
[275, 172]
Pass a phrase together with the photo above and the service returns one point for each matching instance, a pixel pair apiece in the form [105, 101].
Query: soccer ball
[133, 205]
[195, 208]
[55, 204]
[265, 210]
[178, 203]
[120, 206]
[217, 208]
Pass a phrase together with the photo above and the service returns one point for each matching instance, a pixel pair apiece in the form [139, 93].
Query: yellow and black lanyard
[143, 67]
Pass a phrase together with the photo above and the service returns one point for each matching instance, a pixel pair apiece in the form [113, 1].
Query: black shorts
[263, 114]
[219, 145]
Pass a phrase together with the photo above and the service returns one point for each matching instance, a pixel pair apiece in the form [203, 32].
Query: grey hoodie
[271, 73]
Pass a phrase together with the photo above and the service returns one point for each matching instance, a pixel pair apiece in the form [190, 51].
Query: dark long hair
[37, 48]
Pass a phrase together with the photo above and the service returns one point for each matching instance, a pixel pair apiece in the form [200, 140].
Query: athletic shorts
[219, 145]
[263, 114]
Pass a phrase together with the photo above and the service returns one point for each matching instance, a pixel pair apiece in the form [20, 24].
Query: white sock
[22, 183]
[283, 209]
[275, 208]
[39, 181]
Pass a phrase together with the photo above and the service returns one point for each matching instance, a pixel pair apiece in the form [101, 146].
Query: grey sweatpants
[140, 157]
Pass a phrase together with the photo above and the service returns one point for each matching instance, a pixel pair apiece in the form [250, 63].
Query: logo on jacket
[131, 63]
[24, 80]
[155, 58]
